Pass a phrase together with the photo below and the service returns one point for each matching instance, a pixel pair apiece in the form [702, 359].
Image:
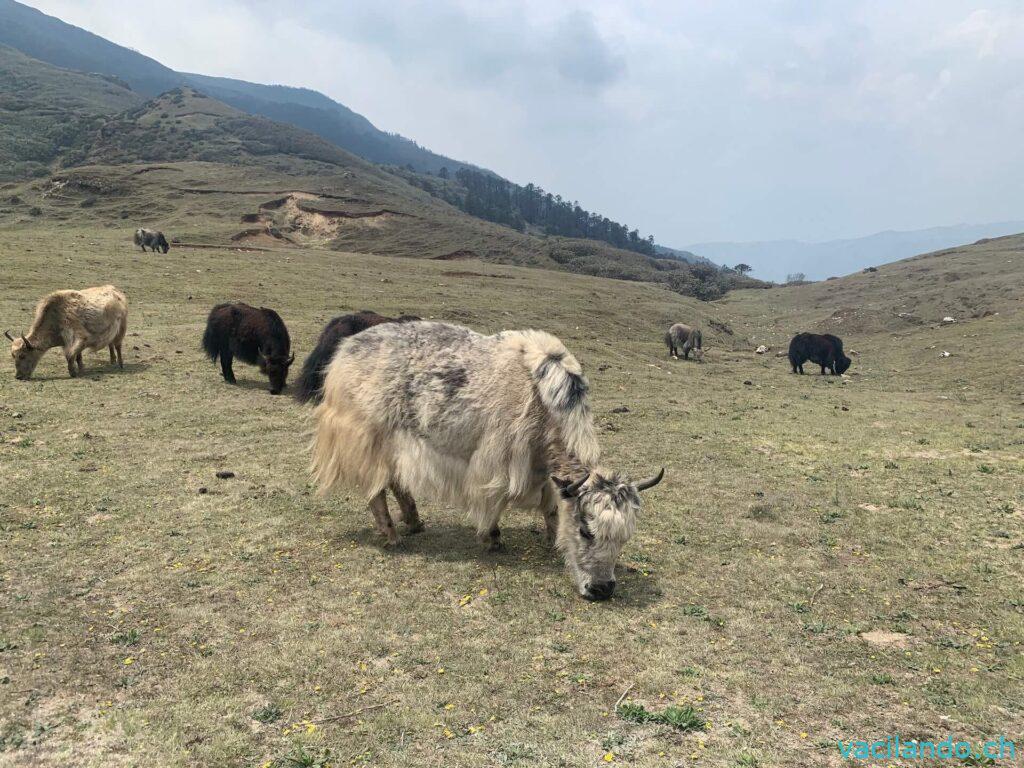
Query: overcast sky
[693, 120]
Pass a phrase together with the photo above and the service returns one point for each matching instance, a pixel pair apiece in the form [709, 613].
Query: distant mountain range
[55, 42]
[776, 259]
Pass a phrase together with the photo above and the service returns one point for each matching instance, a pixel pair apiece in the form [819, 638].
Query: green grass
[258, 594]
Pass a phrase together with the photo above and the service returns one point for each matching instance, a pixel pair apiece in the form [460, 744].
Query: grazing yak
[824, 349]
[153, 239]
[255, 336]
[683, 338]
[311, 380]
[482, 422]
[92, 318]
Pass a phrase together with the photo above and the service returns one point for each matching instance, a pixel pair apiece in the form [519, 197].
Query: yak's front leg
[410, 515]
[73, 354]
[549, 508]
[487, 530]
[382, 518]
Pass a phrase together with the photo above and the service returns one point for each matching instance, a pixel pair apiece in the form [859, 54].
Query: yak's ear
[568, 488]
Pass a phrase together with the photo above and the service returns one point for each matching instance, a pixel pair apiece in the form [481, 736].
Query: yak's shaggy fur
[256, 336]
[822, 348]
[436, 409]
[155, 240]
[682, 338]
[311, 380]
[92, 318]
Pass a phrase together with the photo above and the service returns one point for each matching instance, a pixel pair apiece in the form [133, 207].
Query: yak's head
[26, 356]
[276, 369]
[842, 364]
[597, 520]
[162, 244]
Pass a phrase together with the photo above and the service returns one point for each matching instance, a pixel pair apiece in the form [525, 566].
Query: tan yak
[92, 318]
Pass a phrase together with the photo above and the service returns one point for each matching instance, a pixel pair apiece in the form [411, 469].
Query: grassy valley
[156, 613]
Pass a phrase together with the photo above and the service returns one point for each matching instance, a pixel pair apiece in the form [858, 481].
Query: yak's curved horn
[568, 487]
[8, 335]
[27, 345]
[291, 359]
[650, 482]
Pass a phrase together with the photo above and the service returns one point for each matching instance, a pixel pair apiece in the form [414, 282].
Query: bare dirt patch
[882, 638]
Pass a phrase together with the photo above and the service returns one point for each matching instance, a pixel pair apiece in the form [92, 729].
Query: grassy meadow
[826, 558]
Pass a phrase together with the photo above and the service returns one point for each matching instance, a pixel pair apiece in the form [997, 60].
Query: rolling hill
[774, 260]
[53, 41]
[136, 163]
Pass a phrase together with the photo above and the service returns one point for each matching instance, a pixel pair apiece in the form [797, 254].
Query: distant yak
[92, 318]
[824, 349]
[155, 240]
[311, 380]
[255, 336]
[683, 338]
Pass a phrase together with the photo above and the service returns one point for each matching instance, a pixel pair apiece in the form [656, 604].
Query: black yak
[154, 240]
[824, 349]
[255, 336]
[311, 380]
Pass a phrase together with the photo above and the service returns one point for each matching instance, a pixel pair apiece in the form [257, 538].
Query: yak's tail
[211, 343]
[310, 385]
[563, 390]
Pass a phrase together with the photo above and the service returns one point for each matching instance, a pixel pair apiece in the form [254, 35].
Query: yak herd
[423, 408]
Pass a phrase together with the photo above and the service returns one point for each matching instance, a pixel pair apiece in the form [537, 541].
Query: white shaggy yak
[92, 318]
[477, 421]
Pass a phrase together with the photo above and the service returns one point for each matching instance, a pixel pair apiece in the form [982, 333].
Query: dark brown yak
[255, 336]
[824, 349]
[311, 380]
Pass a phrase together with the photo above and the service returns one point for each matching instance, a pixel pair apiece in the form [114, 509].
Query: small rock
[761, 349]
[844, 408]
[945, 354]
[16, 415]
[204, 489]
[225, 474]
[748, 383]
[603, 367]
[620, 409]
[947, 320]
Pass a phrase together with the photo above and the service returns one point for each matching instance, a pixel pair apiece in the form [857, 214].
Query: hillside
[351, 203]
[491, 198]
[43, 109]
[774, 260]
[53, 41]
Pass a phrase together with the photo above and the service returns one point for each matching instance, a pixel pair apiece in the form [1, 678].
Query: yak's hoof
[495, 545]
[391, 540]
[413, 528]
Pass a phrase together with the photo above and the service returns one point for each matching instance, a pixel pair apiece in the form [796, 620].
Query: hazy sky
[727, 120]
